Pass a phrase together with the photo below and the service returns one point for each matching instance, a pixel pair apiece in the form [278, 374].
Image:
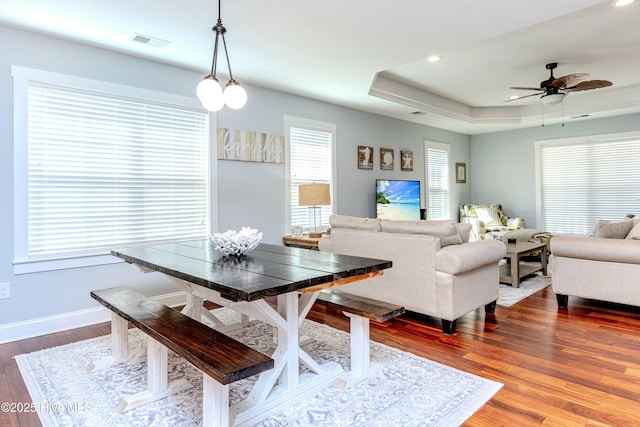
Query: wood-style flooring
[579, 367]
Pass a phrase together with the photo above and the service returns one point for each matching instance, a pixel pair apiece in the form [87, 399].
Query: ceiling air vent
[149, 41]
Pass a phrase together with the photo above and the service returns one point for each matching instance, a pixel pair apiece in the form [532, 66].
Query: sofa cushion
[445, 229]
[612, 230]
[354, 222]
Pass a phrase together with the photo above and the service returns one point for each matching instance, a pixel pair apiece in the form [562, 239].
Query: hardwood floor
[579, 367]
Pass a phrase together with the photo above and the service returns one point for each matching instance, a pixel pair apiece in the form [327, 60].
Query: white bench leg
[360, 349]
[119, 345]
[157, 377]
[119, 336]
[158, 386]
[215, 403]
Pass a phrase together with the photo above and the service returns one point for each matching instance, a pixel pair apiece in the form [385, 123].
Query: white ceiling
[371, 55]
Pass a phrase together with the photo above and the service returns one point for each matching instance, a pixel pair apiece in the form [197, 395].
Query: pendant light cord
[219, 29]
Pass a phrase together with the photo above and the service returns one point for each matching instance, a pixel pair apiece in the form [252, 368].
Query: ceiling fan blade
[524, 88]
[588, 85]
[569, 80]
[526, 96]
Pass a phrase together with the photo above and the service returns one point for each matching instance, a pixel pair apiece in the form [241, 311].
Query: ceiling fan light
[552, 98]
[234, 95]
[209, 93]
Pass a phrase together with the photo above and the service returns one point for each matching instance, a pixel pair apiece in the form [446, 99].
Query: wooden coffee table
[514, 269]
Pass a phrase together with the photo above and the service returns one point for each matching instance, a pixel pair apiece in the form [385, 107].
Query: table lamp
[314, 196]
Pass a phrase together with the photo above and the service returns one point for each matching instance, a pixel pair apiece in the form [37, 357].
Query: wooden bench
[360, 311]
[220, 358]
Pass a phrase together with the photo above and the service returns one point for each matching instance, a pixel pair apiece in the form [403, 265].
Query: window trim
[22, 76]
[290, 121]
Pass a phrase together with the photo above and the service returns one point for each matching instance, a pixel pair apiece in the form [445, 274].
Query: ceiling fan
[553, 90]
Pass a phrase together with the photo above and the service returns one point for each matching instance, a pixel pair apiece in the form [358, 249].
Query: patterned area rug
[509, 295]
[406, 391]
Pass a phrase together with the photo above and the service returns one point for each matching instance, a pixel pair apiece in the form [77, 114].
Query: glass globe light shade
[234, 95]
[209, 93]
[553, 98]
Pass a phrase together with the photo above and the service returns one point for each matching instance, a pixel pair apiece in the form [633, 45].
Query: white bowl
[236, 243]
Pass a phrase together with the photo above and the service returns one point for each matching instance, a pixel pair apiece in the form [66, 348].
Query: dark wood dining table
[292, 276]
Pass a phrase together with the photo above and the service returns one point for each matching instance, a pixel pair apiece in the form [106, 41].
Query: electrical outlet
[5, 290]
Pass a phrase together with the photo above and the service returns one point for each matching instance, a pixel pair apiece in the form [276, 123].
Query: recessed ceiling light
[514, 97]
[620, 3]
[434, 58]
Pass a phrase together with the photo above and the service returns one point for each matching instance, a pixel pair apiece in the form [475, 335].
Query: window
[310, 158]
[97, 170]
[583, 180]
[437, 179]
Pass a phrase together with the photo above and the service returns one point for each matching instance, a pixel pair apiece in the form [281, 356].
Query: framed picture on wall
[406, 160]
[386, 159]
[365, 157]
[461, 173]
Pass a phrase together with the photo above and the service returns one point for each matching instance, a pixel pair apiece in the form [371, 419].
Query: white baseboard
[76, 319]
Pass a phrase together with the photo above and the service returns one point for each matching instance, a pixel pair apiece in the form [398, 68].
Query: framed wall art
[365, 157]
[386, 159]
[406, 160]
[247, 146]
[461, 173]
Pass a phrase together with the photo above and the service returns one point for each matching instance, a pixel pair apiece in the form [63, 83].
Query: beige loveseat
[435, 271]
[605, 267]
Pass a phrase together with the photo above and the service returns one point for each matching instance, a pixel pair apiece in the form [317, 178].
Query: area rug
[406, 391]
[509, 295]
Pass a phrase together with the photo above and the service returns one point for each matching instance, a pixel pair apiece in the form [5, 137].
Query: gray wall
[503, 163]
[248, 193]
[253, 194]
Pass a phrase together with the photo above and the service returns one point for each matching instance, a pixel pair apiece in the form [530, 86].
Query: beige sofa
[435, 271]
[602, 268]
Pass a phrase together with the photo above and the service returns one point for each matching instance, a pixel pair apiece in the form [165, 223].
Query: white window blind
[581, 183]
[310, 160]
[106, 171]
[437, 182]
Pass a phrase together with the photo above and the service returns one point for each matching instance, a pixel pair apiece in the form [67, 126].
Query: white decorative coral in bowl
[236, 243]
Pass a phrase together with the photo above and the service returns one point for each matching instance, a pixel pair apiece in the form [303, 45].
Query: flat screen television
[397, 199]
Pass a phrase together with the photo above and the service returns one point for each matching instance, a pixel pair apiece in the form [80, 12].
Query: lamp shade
[314, 195]
[552, 98]
[234, 95]
[209, 93]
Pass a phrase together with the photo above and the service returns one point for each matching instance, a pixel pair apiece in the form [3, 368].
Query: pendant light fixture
[209, 91]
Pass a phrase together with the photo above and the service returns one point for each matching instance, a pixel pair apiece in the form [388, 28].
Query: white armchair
[489, 221]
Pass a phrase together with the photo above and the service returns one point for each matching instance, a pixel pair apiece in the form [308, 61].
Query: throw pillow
[612, 230]
[635, 232]
[490, 216]
[464, 231]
